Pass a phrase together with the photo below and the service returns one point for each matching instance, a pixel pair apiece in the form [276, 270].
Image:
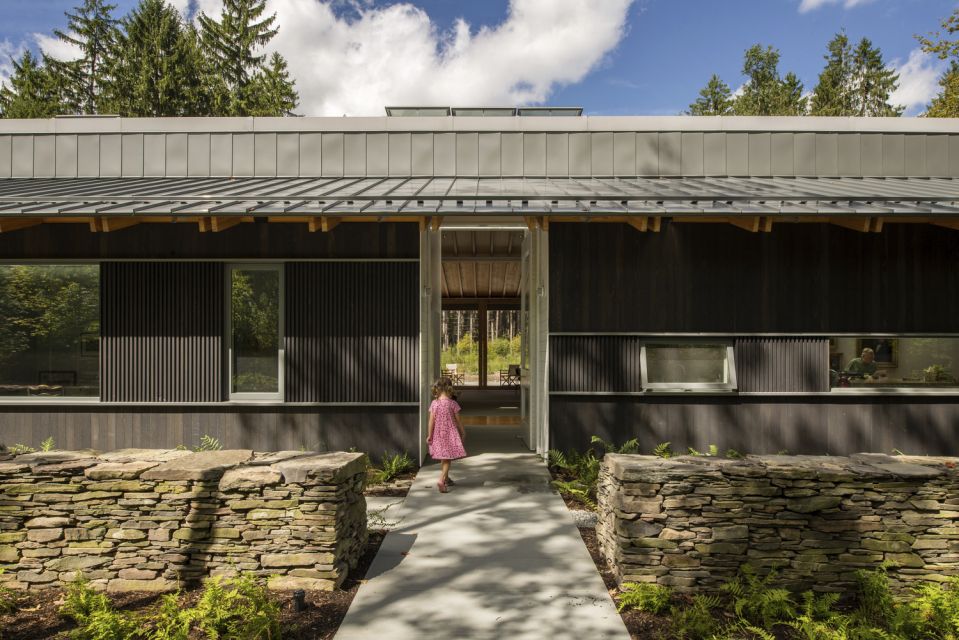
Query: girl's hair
[443, 385]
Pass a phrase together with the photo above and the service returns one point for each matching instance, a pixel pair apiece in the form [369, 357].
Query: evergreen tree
[91, 28]
[715, 99]
[831, 96]
[234, 44]
[872, 82]
[765, 92]
[272, 92]
[157, 66]
[946, 103]
[31, 92]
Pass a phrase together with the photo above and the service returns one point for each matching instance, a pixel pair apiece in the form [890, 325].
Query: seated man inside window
[864, 367]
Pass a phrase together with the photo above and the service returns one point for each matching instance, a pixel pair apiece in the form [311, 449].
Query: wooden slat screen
[591, 364]
[782, 364]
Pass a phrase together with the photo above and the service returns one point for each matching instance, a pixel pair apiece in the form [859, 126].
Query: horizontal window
[686, 366]
[49, 330]
[893, 362]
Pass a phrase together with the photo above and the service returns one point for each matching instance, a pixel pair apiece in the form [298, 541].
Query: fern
[663, 450]
[391, 467]
[48, 444]
[208, 443]
[8, 599]
[756, 601]
[733, 454]
[18, 449]
[630, 446]
[711, 452]
[642, 596]
[696, 621]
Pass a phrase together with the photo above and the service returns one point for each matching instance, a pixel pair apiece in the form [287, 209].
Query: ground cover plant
[576, 474]
[752, 607]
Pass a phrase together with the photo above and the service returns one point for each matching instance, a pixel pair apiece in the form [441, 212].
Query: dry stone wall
[691, 522]
[151, 520]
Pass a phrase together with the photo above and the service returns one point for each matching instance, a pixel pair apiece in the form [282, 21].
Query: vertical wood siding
[595, 363]
[777, 364]
[352, 332]
[161, 329]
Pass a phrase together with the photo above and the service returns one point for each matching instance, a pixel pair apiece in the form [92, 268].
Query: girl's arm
[429, 438]
[459, 425]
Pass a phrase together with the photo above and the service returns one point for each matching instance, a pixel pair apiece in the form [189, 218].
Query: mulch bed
[37, 612]
[641, 625]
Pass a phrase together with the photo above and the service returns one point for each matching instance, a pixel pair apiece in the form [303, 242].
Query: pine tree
[157, 65]
[233, 43]
[946, 103]
[715, 99]
[765, 92]
[872, 82]
[831, 96]
[92, 29]
[271, 92]
[31, 92]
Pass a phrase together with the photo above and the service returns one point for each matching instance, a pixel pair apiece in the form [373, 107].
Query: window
[688, 366]
[256, 355]
[893, 362]
[49, 331]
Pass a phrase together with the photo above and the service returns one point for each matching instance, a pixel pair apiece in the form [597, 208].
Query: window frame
[689, 387]
[248, 396]
[65, 399]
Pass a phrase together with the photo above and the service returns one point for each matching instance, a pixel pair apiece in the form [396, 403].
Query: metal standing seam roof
[383, 196]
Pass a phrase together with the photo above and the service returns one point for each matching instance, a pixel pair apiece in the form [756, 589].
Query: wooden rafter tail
[96, 225]
[640, 223]
[655, 224]
[203, 224]
[544, 223]
[436, 223]
[875, 225]
[863, 224]
[12, 224]
[222, 223]
[115, 224]
[751, 224]
[947, 224]
[532, 223]
[328, 223]
[767, 224]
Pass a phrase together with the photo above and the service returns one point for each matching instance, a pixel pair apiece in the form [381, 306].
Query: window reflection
[893, 362]
[691, 365]
[49, 330]
[255, 321]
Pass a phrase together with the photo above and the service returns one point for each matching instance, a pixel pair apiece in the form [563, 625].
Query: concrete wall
[692, 522]
[466, 147]
[153, 520]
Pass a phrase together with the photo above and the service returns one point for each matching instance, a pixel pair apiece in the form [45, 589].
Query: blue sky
[609, 56]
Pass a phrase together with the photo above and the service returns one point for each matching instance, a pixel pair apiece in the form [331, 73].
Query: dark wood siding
[777, 364]
[161, 329]
[183, 241]
[595, 363]
[264, 428]
[352, 332]
[801, 278]
[761, 425]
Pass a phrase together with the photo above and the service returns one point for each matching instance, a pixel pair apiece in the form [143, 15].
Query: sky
[611, 57]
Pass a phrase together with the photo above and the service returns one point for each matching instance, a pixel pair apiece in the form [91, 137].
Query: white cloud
[57, 48]
[918, 81]
[812, 5]
[395, 55]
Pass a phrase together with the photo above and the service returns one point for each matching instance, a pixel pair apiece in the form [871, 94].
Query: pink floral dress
[446, 444]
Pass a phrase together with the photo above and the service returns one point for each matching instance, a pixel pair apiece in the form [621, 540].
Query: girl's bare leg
[445, 471]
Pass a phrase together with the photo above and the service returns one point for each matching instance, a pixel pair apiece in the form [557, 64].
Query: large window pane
[49, 330]
[255, 323]
[503, 348]
[877, 362]
[688, 365]
[459, 354]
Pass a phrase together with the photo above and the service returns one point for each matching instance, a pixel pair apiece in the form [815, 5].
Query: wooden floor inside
[493, 420]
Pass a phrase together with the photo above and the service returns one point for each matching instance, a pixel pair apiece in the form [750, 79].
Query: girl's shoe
[442, 487]
[450, 482]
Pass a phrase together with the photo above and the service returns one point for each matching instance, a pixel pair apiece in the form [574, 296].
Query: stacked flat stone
[154, 520]
[691, 522]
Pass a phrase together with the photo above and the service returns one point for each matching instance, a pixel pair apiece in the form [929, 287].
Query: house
[762, 284]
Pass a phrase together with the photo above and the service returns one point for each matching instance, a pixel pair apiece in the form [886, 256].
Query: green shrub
[95, 616]
[651, 598]
[240, 609]
[391, 467]
[757, 602]
[208, 443]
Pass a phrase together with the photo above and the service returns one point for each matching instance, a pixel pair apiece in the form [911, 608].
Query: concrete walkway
[496, 557]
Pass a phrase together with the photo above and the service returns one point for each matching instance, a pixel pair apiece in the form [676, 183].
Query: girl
[446, 430]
